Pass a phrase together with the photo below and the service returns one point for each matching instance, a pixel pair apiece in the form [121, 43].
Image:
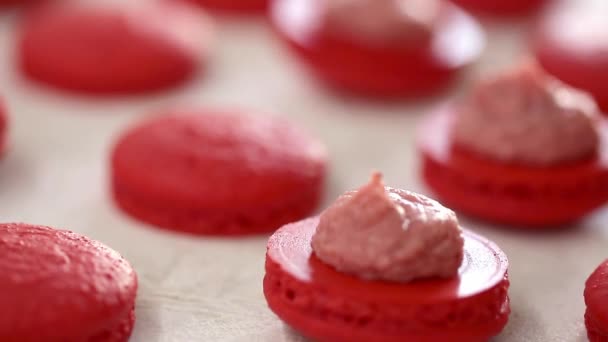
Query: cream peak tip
[376, 178]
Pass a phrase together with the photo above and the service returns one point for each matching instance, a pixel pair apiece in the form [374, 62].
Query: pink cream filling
[378, 22]
[528, 117]
[380, 233]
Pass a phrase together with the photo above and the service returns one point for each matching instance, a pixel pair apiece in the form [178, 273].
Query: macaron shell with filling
[534, 197]
[327, 305]
[352, 67]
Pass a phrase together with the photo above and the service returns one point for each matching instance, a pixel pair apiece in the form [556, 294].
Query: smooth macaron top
[218, 160]
[572, 43]
[596, 294]
[56, 285]
[114, 46]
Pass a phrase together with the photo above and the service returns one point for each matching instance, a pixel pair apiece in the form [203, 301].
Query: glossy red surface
[328, 305]
[512, 194]
[213, 172]
[502, 7]
[596, 299]
[389, 71]
[108, 49]
[234, 6]
[59, 286]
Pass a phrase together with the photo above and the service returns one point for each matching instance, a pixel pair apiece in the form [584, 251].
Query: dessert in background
[572, 44]
[522, 148]
[384, 264]
[380, 48]
[113, 48]
[217, 172]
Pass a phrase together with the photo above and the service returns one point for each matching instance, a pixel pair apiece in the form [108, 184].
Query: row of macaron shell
[41, 49]
[179, 170]
[394, 70]
[471, 306]
[189, 132]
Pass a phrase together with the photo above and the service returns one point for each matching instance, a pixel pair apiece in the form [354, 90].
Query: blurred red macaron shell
[571, 43]
[327, 305]
[218, 172]
[535, 197]
[596, 299]
[56, 285]
[389, 72]
[502, 8]
[113, 48]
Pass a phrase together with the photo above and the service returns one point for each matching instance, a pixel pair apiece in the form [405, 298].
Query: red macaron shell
[388, 71]
[505, 8]
[327, 305]
[122, 333]
[596, 299]
[113, 48]
[224, 173]
[56, 285]
[540, 197]
[234, 6]
[579, 61]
